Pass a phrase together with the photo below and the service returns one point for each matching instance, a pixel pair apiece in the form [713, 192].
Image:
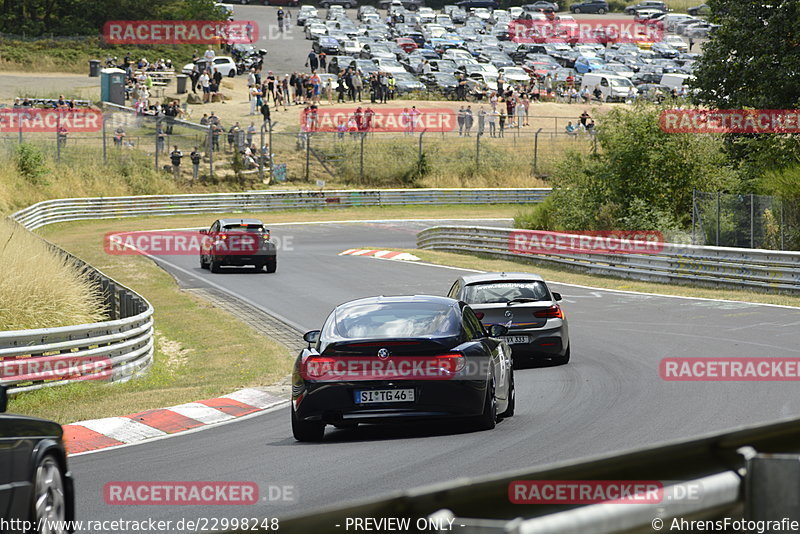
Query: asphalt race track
[609, 398]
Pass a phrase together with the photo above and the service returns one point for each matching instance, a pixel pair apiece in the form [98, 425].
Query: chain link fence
[397, 159]
[748, 221]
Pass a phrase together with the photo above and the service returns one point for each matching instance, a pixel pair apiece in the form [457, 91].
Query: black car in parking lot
[35, 482]
[590, 6]
[394, 359]
[238, 242]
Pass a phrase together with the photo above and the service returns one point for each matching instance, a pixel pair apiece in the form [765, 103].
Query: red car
[408, 45]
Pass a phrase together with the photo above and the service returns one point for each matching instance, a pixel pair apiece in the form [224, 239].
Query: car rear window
[501, 292]
[393, 320]
[244, 228]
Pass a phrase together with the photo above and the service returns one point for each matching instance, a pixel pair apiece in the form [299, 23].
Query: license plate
[371, 396]
[516, 339]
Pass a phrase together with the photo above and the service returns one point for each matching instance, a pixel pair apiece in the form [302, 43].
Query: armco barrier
[717, 476]
[123, 346]
[714, 266]
[73, 209]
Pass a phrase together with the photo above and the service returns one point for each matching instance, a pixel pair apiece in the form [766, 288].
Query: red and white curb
[97, 434]
[381, 254]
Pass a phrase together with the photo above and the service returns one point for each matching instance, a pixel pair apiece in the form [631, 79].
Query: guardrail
[713, 266]
[74, 209]
[744, 473]
[114, 350]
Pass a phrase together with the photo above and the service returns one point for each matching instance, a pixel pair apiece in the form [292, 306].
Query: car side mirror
[3, 398]
[204, 232]
[311, 337]
[556, 296]
[498, 330]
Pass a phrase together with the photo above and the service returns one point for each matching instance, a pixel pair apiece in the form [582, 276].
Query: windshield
[502, 292]
[620, 82]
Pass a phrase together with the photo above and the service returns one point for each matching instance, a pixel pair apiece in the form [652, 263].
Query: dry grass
[38, 288]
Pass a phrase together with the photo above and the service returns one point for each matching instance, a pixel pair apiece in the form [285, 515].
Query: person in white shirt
[493, 116]
[210, 54]
[255, 92]
[205, 83]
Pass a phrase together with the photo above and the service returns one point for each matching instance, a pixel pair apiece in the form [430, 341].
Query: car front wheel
[576, 10]
[601, 11]
[49, 500]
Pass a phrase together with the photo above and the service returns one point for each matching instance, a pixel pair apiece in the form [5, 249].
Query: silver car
[522, 302]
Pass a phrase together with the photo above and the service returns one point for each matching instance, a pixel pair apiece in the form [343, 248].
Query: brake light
[317, 367]
[553, 312]
[452, 362]
[479, 315]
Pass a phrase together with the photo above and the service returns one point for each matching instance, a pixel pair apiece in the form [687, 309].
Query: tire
[203, 264]
[488, 419]
[231, 73]
[565, 358]
[214, 266]
[272, 264]
[258, 268]
[576, 10]
[306, 430]
[48, 492]
[512, 403]
[601, 11]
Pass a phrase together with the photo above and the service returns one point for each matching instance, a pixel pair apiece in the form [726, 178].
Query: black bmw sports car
[389, 359]
[36, 490]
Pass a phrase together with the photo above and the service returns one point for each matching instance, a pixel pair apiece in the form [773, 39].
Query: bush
[30, 163]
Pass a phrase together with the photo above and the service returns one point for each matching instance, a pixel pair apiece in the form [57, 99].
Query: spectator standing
[384, 79]
[323, 61]
[265, 112]
[493, 116]
[196, 158]
[209, 54]
[481, 121]
[392, 86]
[255, 99]
[251, 132]
[194, 77]
[205, 84]
[468, 120]
[502, 123]
[548, 84]
[217, 77]
[176, 156]
[460, 116]
[312, 62]
[358, 84]
[161, 139]
[329, 91]
[584, 118]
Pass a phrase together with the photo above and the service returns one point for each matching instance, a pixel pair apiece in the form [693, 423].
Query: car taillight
[553, 312]
[479, 315]
[452, 362]
[316, 367]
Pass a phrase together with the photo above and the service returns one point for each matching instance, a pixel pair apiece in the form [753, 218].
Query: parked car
[590, 6]
[646, 4]
[440, 82]
[471, 4]
[612, 87]
[349, 4]
[305, 13]
[224, 64]
[702, 9]
[35, 482]
[326, 44]
[237, 242]
[406, 83]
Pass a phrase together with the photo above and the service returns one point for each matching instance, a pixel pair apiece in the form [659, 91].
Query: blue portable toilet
[112, 86]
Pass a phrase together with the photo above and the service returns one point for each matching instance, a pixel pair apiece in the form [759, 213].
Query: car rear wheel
[488, 419]
[231, 73]
[565, 358]
[601, 11]
[306, 430]
[49, 500]
[272, 264]
[512, 400]
[576, 10]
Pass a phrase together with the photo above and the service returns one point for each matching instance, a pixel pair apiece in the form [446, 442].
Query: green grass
[73, 55]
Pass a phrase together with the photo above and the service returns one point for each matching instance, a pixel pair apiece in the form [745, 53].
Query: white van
[612, 87]
[676, 81]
